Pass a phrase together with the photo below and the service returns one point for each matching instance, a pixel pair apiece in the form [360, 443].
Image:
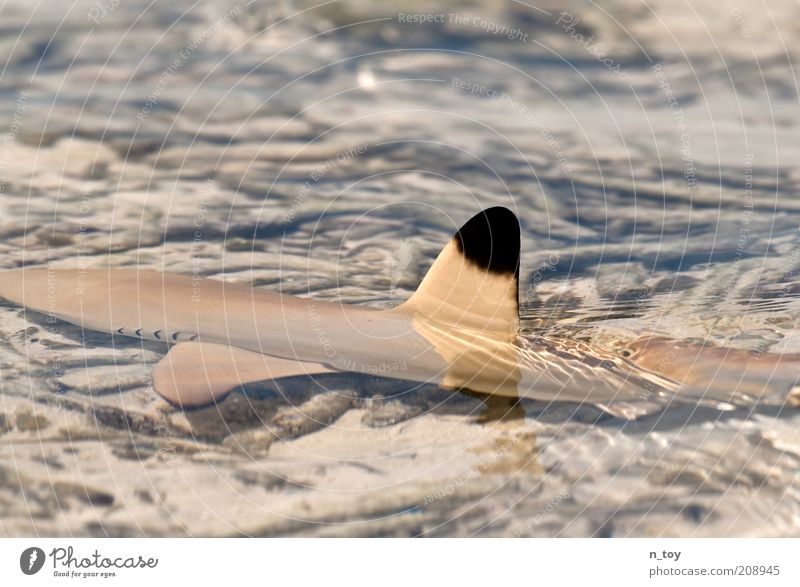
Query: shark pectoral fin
[195, 374]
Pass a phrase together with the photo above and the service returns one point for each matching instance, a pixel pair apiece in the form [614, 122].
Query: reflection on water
[726, 361]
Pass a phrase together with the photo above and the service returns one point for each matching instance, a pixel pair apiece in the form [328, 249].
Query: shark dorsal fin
[474, 281]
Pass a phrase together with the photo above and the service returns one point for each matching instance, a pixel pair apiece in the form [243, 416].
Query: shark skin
[459, 330]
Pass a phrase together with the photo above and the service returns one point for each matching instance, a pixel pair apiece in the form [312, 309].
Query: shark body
[459, 330]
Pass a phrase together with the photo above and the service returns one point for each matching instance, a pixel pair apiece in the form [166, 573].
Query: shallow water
[331, 153]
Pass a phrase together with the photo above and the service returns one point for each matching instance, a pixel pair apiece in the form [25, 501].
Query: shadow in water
[294, 406]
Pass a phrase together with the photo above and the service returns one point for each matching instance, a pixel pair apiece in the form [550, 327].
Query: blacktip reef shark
[460, 330]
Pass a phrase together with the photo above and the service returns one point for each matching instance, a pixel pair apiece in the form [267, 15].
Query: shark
[460, 330]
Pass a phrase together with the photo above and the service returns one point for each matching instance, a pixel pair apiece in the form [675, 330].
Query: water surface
[331, 152]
